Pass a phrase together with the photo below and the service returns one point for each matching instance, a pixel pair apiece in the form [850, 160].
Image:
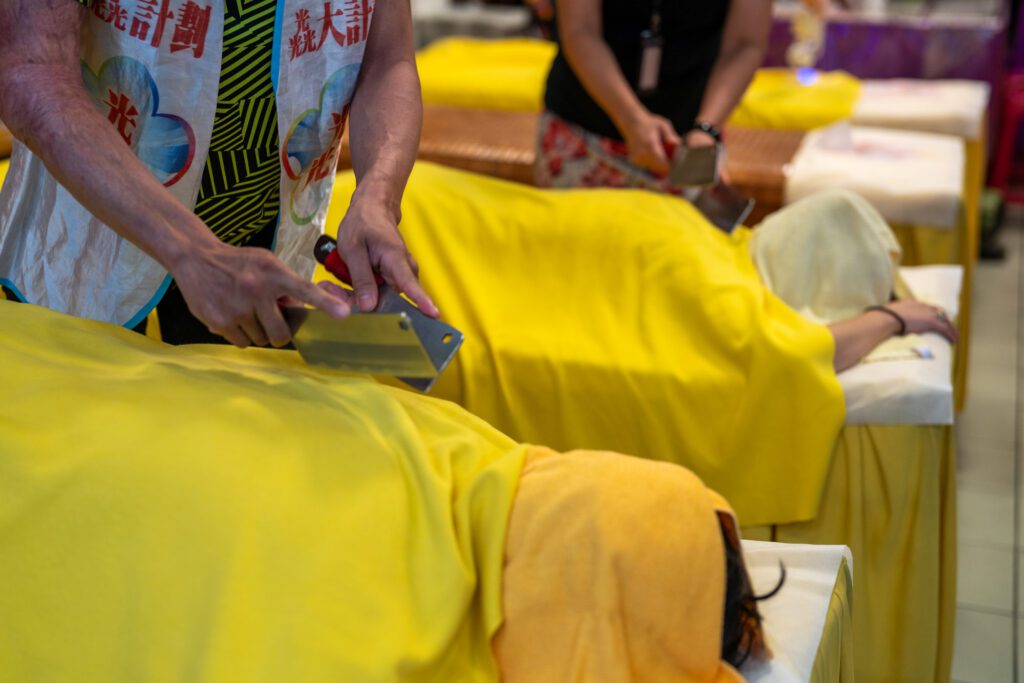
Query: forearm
[84, 152]
[729, 79]
[595, 65]
[387, 114]
[857, 337]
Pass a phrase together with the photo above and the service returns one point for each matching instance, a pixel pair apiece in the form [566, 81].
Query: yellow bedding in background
[507, 75]
[209, 514]
[777, 99]
[621, 320]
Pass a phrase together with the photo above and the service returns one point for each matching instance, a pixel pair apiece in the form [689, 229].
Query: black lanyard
[650, 59]
[656, 18]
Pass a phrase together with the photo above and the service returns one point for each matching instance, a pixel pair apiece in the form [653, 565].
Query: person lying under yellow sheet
[622, 320]
[207, 514]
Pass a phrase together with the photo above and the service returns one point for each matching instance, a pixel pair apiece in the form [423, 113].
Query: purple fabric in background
[929, 47]
[1017, 56]
[931, 41]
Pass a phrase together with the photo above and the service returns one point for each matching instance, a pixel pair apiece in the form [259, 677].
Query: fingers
[363, 281]
[272, 321]
[668, 132]
[254, 331]
[336, 291]
[399, 273]
[318, 297]
[654, 157]
[236, 336]
[945, 326]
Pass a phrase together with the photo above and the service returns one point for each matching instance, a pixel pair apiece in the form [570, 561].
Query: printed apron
[152, 68]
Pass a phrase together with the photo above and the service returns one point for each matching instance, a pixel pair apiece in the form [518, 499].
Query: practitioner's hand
[699, 138]
[921, 317]
[369, 242]
[237, 293]
[646, 139]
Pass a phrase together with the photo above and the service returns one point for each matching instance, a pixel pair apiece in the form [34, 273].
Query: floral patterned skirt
[570, 156]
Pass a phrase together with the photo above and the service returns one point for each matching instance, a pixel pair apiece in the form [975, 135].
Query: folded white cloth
[794, 619]
[947, 107]
[911, 178]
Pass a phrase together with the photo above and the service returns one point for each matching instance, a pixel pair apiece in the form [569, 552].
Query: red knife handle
[326, 252]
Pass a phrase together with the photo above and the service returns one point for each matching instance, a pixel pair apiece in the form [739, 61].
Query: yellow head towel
[778, 99]
[829, 256]
[614, 571]
[507, 75]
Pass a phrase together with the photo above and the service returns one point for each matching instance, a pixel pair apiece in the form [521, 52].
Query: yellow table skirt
[834, 662]
[891, 497]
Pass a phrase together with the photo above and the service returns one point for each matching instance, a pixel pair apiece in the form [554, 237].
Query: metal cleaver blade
[396, 340]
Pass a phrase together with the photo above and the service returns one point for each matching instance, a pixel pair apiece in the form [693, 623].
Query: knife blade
[375, 343]
[396, 339]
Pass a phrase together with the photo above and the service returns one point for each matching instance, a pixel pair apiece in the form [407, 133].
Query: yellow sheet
[507, 75]
[208, 514]
[777, 99]
[891, 497]
[620, 320]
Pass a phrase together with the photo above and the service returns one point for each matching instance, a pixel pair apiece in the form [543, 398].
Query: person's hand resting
[237, 292]
[921, 318]
[369, 243]
[646, 138]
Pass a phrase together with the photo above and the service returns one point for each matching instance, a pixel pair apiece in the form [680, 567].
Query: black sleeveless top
[692, 32]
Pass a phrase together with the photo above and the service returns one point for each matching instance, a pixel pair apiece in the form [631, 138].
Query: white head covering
[828, 256]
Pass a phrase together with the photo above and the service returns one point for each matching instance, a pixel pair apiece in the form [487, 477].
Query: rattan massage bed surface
[501, 144]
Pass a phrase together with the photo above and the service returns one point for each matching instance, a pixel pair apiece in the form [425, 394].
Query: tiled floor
[990, 614]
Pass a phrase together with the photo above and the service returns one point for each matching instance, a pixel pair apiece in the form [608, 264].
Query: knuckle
[250, 283]
[218, 322]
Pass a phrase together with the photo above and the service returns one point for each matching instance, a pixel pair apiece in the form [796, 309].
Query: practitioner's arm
[857, 337]
[43, 101]
[743, 46]
[387, 113]
[580, 29]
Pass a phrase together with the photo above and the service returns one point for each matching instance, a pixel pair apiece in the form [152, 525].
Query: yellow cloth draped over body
[568, 342]
[777, 99]
[507, 75]
[214, 515]
[210, 514]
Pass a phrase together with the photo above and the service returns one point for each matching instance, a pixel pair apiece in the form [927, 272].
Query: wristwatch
[708, 128]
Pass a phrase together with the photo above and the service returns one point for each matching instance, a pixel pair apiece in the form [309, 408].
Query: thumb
[668, 132]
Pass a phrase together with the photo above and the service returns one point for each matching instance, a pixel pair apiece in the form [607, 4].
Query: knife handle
[326, 253]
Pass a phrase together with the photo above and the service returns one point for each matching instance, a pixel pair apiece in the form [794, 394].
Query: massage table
[889, 491]
[808, 624]
[501, 144]
[508, 76]
[774, 167]
[891, 497]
